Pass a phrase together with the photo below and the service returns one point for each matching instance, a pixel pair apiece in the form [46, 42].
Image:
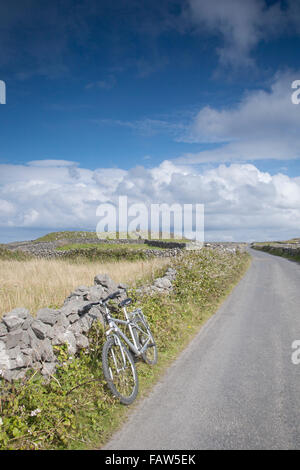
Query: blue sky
[150, 92]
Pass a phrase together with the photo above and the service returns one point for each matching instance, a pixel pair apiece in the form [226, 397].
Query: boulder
[12, 321]
[48, 316]
[40, 329]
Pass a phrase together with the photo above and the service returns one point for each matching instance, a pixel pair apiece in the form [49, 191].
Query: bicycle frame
[113, 327]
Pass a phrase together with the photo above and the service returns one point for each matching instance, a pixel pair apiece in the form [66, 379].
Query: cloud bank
[241, 202]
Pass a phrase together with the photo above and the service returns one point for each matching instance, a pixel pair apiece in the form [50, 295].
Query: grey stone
[47, 315]
[40, 329]
[57, 331]
[13, 338]
[50, 332]
[3, 329]
[82, 341]
[20, 312]
[123, 286]
[48, 368]
[76, 327]
[27, 323]
[17, 362]
[13, 353]
[105, 281]
[8, 375]
[25, 339]
[84, 324]
[62, 320]
[46, 351]
[36, 350]
[4, 358]
[74, 306]
[13, 322]
[163, 283]
[68, 338]
[73, 317]
[95, 293]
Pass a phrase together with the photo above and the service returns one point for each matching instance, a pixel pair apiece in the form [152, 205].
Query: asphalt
[234, 386]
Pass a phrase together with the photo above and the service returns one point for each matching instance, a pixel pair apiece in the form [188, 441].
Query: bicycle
[117, 362]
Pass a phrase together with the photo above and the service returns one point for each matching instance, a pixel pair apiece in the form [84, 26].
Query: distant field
[38, 283]
[107, 246]
[75, 235]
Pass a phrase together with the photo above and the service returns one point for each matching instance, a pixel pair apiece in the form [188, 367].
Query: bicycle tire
[139, 340]
[113, 382]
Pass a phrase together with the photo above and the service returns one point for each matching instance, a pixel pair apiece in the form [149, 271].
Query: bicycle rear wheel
[119, 371]
[142, 335]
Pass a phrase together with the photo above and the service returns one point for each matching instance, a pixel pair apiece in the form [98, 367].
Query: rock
[46, 351]
[47, 315]
[68, 338]
[13, 353]
[27, 323]
[73, 317]
[163, 283]
[3, 329]
[82, 341]
[48, 368]
[57, 332]
[62, 321]
[13, 322]
[40, 329]
[95, 293]
[123, 286]
[105, 281]
[4, 358]
[13, 338]
[20, 312]
[75, 306]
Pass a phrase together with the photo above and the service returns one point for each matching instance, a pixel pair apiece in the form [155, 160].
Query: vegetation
[76, 235]
[280, 250]
[74, 409]
[17, 255]
[37, 283]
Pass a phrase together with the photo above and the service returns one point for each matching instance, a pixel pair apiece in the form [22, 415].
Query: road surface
[234, 386]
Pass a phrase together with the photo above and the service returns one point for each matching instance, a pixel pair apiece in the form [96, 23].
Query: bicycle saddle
[125, 302]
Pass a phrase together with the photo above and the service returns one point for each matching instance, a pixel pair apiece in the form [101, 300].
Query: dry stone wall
[26, 342]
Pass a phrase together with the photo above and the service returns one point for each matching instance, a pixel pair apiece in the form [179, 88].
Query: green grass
[75, 235]
[76, 411]
[106, 246]
[67, 235]
[16, 255]
[278, 250]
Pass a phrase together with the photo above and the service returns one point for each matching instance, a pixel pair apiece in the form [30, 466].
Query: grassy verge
[279, 251]
[74, 410]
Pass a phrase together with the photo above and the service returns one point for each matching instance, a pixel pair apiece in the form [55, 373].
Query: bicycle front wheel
[119, 371]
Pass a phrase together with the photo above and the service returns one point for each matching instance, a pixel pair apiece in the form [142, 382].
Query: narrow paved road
[235, 386]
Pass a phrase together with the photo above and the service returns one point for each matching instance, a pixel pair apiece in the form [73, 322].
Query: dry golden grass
[42, 283]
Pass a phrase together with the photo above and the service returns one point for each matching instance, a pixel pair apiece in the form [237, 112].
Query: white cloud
[263, 125]
[240, 24]
[241, 202]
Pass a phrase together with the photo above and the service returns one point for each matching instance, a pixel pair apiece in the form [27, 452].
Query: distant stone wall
[49, 249]
[26, 342]
[290, 251]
